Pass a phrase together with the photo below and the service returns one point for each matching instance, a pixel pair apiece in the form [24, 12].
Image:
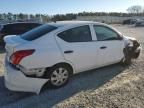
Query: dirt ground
[1, 61]
[113, 86]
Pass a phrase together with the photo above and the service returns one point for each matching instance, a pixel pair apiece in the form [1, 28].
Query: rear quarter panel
[47, 53]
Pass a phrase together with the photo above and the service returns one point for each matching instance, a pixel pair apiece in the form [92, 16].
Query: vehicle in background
[54, 52]
[129, 21]
[140, 23]
[16, 29]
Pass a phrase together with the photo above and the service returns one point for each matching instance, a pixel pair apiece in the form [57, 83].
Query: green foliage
[133, 11]
[61, 17]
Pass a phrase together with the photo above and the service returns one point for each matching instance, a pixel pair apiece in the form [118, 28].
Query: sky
[52, 7]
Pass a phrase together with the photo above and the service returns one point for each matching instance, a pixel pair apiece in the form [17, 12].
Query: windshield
[37, 32]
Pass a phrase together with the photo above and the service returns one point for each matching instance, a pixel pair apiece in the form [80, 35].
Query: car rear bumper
[15, 80]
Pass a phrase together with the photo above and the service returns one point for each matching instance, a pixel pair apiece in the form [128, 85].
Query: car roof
[63, 24]
[71, 23]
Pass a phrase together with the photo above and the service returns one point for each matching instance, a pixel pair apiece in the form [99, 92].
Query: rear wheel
[59, 75]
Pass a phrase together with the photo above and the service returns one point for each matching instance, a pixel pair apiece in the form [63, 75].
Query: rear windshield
[37, 32]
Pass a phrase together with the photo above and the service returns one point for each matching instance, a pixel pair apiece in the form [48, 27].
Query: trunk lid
[11, 42]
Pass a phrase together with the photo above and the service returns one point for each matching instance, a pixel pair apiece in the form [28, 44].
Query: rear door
[78, 47]
[110, 45]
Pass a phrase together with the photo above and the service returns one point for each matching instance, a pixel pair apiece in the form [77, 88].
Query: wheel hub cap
[59, 76]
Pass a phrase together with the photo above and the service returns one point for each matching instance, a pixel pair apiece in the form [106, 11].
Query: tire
[136, 55]
[59, 75]
[126, 61]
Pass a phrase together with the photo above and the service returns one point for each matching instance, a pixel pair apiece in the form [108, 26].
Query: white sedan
[55, 51]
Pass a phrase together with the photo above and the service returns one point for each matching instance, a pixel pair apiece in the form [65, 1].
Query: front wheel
[59, 76]
[126, 61]
[127, 57]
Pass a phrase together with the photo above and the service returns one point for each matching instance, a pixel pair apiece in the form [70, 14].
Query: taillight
[19, 55]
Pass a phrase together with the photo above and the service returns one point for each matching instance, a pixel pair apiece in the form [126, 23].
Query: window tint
[15, 29]
[18, 28]
[105, 33]
[1, 27]
[22, 28]
[38, 32]
[78, 34]
[6, 29]
[33, 25]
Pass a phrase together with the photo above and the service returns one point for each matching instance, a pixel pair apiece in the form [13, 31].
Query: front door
[110, 45]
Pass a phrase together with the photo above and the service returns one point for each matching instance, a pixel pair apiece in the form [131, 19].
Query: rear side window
[37, 32]
[78, 34]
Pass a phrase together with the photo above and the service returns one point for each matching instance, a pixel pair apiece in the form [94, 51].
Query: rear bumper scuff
[15, 80]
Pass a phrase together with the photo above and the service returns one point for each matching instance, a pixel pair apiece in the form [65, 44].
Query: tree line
[132, 11]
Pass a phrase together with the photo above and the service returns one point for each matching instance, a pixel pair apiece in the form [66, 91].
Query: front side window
[104, 33]
[78, 34]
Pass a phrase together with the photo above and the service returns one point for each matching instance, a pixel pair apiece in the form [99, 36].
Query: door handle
[103, 47]
[69, 51]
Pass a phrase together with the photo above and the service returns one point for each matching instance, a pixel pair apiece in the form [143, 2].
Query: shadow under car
[90, 80]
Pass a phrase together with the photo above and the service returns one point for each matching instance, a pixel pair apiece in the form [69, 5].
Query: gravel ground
[1, 60]
[113, 86]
